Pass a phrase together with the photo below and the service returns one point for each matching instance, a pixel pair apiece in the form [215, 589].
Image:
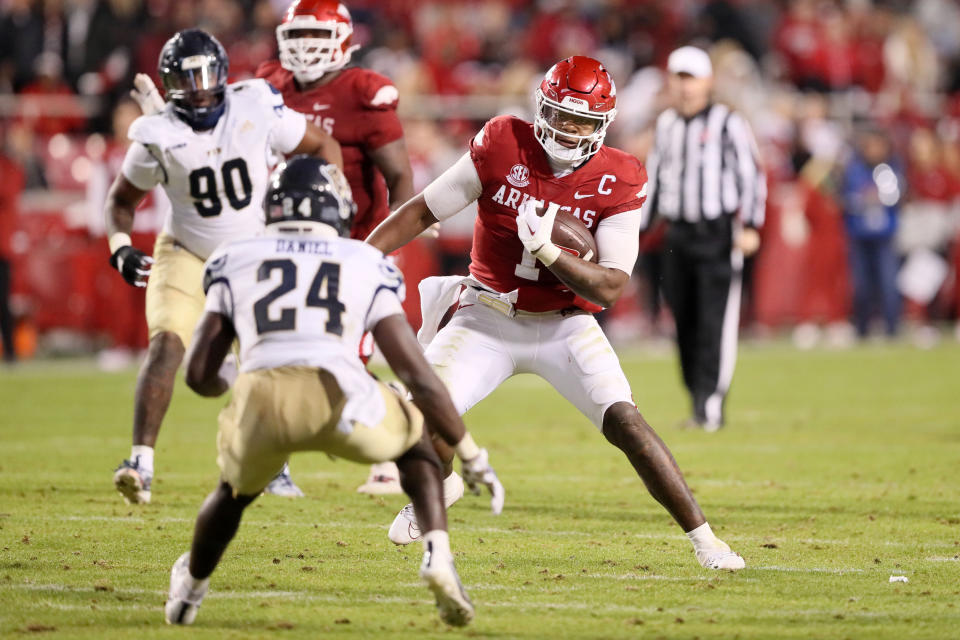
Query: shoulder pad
[374, 90]
[392, 278]
[267, 69]
[257, 89]
[215, 269]
[150, 130]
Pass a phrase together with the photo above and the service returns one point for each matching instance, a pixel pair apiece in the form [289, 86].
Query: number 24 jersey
[215, 179]
[306, 300]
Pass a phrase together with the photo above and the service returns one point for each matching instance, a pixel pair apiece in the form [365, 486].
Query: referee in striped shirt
[707, 183]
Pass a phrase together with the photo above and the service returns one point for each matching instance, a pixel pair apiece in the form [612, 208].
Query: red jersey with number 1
[359, 109]
[513, 168]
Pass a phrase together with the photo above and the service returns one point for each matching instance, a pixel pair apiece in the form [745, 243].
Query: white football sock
[142, 456]
[437, 542]
[194, 584]
[452, 489]
[703, 538]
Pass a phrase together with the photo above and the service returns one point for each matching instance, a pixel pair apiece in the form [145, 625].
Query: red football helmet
[314, 38]
[577, 91]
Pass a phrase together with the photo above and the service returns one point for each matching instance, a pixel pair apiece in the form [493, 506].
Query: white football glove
[146, 95]
[477, 471]
[534, 230]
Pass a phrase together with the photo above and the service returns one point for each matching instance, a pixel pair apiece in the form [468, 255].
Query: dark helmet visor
[196, 73]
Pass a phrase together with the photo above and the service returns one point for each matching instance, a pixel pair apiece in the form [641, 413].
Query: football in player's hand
[573, 237]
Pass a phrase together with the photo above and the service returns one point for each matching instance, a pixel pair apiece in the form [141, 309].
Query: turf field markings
[836, 571]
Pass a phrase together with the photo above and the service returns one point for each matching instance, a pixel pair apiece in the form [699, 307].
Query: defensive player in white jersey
[209, 148]
[526, 306]
[298, 298]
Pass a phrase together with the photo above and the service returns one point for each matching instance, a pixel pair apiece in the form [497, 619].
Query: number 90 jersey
[215, 179]
[306, 300]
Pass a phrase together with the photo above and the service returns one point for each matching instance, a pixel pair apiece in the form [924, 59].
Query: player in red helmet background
[358, 107]
[527, 306]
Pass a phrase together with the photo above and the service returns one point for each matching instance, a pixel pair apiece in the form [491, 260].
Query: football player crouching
[298, 298]
[207, 145]
[316, 76]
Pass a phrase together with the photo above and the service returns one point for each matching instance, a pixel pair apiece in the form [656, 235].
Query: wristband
[548, 254]
[118, 240]
[467, 449]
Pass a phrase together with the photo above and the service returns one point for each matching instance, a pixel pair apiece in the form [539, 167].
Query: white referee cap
[690, 60]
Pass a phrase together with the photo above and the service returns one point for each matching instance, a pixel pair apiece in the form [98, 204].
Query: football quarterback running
[209, 147]
[527, 306]
[359, 108]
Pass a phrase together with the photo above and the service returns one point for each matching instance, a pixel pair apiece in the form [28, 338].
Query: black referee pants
[6, 318]
[701, 282]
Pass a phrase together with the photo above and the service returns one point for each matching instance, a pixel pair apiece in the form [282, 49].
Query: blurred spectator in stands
[21, 41]
[824, 291]
[11, 184]
[798, 40]
[48, 105]
[872, 191]
[22, 149]
[910, 58]
[256, 43]
[925, 231]
[123, 321]
[105, 38]
[871, 25]
[837, 55]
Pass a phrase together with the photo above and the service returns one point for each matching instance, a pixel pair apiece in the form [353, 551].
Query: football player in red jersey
[359, 109]
[527, 306]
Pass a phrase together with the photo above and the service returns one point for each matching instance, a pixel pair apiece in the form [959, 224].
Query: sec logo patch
[519, 175]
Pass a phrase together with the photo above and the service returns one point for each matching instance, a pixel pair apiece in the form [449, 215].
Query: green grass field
[837, 471]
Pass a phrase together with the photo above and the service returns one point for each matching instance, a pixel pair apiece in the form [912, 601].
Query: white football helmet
[314, 38]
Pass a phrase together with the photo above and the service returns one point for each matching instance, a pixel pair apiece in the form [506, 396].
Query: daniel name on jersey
[306, 302]
[215, 179]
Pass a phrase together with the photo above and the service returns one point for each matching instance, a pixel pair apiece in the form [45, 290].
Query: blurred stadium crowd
[834, 90]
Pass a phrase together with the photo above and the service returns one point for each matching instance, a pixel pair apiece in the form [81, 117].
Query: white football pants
[481, 347]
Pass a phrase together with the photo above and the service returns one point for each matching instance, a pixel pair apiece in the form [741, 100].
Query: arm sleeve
[287, 126]
[385, 303]
[618, 240]
[142, 168]
[752, 181]
[454, 189]
[288, 129]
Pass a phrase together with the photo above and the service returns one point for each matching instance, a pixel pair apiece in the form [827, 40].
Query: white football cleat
[720, 557]
[133, 482]
[441, 577]
[182, 601]
[282, 485]
[384, 479]
[405, 528]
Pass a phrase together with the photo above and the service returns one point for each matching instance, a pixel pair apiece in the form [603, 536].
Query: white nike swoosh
[577, 196]
[320, 107]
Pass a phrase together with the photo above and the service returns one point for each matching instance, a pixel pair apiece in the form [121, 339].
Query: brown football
[573, 237]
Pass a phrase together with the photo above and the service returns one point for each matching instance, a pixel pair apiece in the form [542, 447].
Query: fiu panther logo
[519, 176]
